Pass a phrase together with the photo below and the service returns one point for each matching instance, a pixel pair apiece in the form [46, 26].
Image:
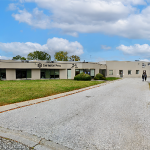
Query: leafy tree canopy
[18, 57]
[61, 56]
[23, 58]
[38, 55]
[74, 58]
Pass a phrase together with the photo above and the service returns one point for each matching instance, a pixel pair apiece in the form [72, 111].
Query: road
[115, 116]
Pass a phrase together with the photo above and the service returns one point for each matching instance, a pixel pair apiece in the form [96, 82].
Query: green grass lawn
[22, 90]
[112, 78]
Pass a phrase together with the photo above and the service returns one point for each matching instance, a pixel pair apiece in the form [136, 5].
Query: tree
[18, 57]
[74, 58]
[38, 55]
[61, 56]
[23, 58]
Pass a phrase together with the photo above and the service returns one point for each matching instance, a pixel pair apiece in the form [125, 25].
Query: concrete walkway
[113, 116]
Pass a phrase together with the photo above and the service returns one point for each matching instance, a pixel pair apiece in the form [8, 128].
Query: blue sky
[95, 30]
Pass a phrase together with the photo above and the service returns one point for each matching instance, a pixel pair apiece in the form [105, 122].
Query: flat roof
[63, 62]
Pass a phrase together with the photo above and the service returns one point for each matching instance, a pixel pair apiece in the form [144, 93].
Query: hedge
[99, 76]
[82, 77]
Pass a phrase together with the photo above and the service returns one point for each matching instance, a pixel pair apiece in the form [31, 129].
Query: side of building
[127, 69]
[31, 70]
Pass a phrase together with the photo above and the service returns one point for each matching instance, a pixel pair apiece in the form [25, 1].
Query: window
[28, 73]
[81, 70]
[137, 71]
[110, 72]
[103, 72]
[23, 73]
[143, 65]
[49, 74]
[56, 74]
[42, 73]
[129, 72]
[77, 72]
[86, 71]
[91, 72]
[52, 72]
[2, 73]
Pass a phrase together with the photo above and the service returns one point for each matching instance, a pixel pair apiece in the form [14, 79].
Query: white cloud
[136, 49]
[70, 16]
[53, 45]
[113, 17]
[59, 44]
[105, 47]
[134, 2]
[5, 58]
[36, 19]
[145, 60]
[12, 6]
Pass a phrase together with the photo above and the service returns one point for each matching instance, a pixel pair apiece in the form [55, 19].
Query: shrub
[99, 76]
[82, 77]
[95, 78]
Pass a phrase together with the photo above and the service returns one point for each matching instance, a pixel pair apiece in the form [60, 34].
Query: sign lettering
[48, 65]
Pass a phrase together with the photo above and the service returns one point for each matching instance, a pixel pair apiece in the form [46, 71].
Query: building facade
[13, 70]
[127, 69]
[16, 70]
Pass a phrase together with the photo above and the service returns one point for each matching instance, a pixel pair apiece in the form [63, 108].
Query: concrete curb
[44, 99]
[31, 141]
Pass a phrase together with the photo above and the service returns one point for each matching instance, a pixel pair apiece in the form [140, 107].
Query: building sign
[39, 65]
[74, 65]
[48, 65]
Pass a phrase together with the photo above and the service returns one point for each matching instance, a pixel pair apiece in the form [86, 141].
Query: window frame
[112, 72]
[53, 75]
[88, 71]
[4, 76]
[138, 71]
[130, 72]
[22, 73]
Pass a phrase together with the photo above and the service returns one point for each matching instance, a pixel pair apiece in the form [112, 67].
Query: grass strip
[112, 78]
[23, 90]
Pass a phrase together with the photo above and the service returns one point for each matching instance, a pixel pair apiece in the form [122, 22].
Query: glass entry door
[69, 74]
[121, 73]
[103, 72]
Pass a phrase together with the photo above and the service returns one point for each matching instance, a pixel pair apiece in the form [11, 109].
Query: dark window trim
[26, 74]
[5, 73]
[138, 71]
[130, 72]
[84, 71]
[50, 74]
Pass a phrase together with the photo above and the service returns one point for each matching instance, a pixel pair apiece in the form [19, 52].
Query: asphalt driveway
[115, 116]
